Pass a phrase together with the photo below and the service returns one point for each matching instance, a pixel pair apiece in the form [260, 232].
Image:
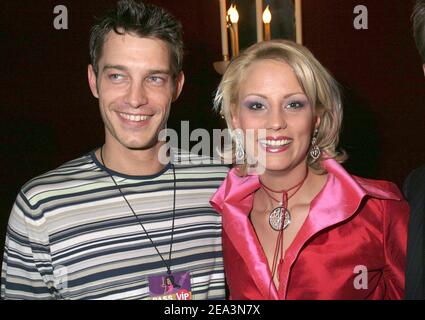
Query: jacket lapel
[234, 199]
[338, 201]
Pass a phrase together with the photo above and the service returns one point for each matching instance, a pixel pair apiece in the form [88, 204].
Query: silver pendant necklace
[280, 217]
[277, 215]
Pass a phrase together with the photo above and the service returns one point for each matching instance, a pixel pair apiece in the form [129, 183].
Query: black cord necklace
[167, 265]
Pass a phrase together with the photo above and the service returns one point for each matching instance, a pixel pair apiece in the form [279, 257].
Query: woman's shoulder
[381, 189]
[374, 185]
[234, 188]
[385, 199]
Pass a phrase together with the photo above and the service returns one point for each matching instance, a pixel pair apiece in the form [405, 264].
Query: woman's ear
[317, 122]
[318, 112]
[235, 117]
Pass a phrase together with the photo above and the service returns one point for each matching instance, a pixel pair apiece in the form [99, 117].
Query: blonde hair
[319, 86]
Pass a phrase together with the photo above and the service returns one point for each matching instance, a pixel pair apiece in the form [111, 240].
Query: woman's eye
[295, 105]
[256, 106]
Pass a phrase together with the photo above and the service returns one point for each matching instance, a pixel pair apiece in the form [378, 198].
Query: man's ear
[92, 81]
[178, 85]
[423, 67]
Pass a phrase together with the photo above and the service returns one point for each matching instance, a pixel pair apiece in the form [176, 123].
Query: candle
[258, 11]
[223, 27]
[234, 18]
[267, 17]
[298, 22]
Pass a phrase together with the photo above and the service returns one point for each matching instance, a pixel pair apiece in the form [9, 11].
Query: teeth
[133, 117]
[275, 143]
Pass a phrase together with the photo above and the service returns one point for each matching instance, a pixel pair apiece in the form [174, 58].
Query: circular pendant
[276, 217]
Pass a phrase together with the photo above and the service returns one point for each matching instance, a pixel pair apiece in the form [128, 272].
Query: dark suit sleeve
[414, 191]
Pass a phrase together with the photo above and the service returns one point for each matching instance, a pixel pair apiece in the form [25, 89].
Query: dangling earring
[239, 152]
[315, 150]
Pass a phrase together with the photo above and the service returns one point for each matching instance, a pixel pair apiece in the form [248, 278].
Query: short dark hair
[418, 18]
[143, 20]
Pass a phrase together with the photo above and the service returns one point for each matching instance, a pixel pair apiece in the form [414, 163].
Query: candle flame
[233, 13]
[267, 15]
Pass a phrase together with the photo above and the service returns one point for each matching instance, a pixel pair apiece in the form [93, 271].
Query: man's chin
[144, 146]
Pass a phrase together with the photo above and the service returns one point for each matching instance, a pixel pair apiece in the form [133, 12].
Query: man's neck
[130, 162]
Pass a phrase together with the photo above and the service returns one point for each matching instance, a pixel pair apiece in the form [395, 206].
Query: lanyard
[167, 265]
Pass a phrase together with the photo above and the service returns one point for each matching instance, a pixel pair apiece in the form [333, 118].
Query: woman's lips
[275, 144]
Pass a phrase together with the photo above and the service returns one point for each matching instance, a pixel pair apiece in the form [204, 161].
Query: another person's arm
[414, 191]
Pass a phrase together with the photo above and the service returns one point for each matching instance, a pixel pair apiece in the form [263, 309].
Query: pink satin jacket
[352, 245]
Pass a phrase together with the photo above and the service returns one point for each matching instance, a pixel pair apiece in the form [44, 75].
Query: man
[116, 222]
[414, 190]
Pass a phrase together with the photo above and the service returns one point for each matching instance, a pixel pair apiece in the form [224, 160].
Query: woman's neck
[284, 180]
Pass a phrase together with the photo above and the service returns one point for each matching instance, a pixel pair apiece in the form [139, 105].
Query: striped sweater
[71, 235]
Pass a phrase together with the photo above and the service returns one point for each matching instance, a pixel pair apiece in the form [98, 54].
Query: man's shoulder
[414, 184]
[59, 179]
[418, 175]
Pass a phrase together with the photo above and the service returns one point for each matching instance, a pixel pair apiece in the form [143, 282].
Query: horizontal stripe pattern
[71, 235]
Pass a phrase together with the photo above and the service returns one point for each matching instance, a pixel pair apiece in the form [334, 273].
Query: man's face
[135, 89]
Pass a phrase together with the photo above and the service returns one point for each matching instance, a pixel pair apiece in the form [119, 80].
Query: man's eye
[115, 77]
[156, 80]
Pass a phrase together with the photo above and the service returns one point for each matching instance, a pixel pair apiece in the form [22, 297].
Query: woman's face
[271, 98]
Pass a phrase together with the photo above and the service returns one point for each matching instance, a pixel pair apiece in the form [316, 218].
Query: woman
[169, 285]
[302, 228]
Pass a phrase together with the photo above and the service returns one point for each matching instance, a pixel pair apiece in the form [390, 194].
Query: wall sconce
[229, 19]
